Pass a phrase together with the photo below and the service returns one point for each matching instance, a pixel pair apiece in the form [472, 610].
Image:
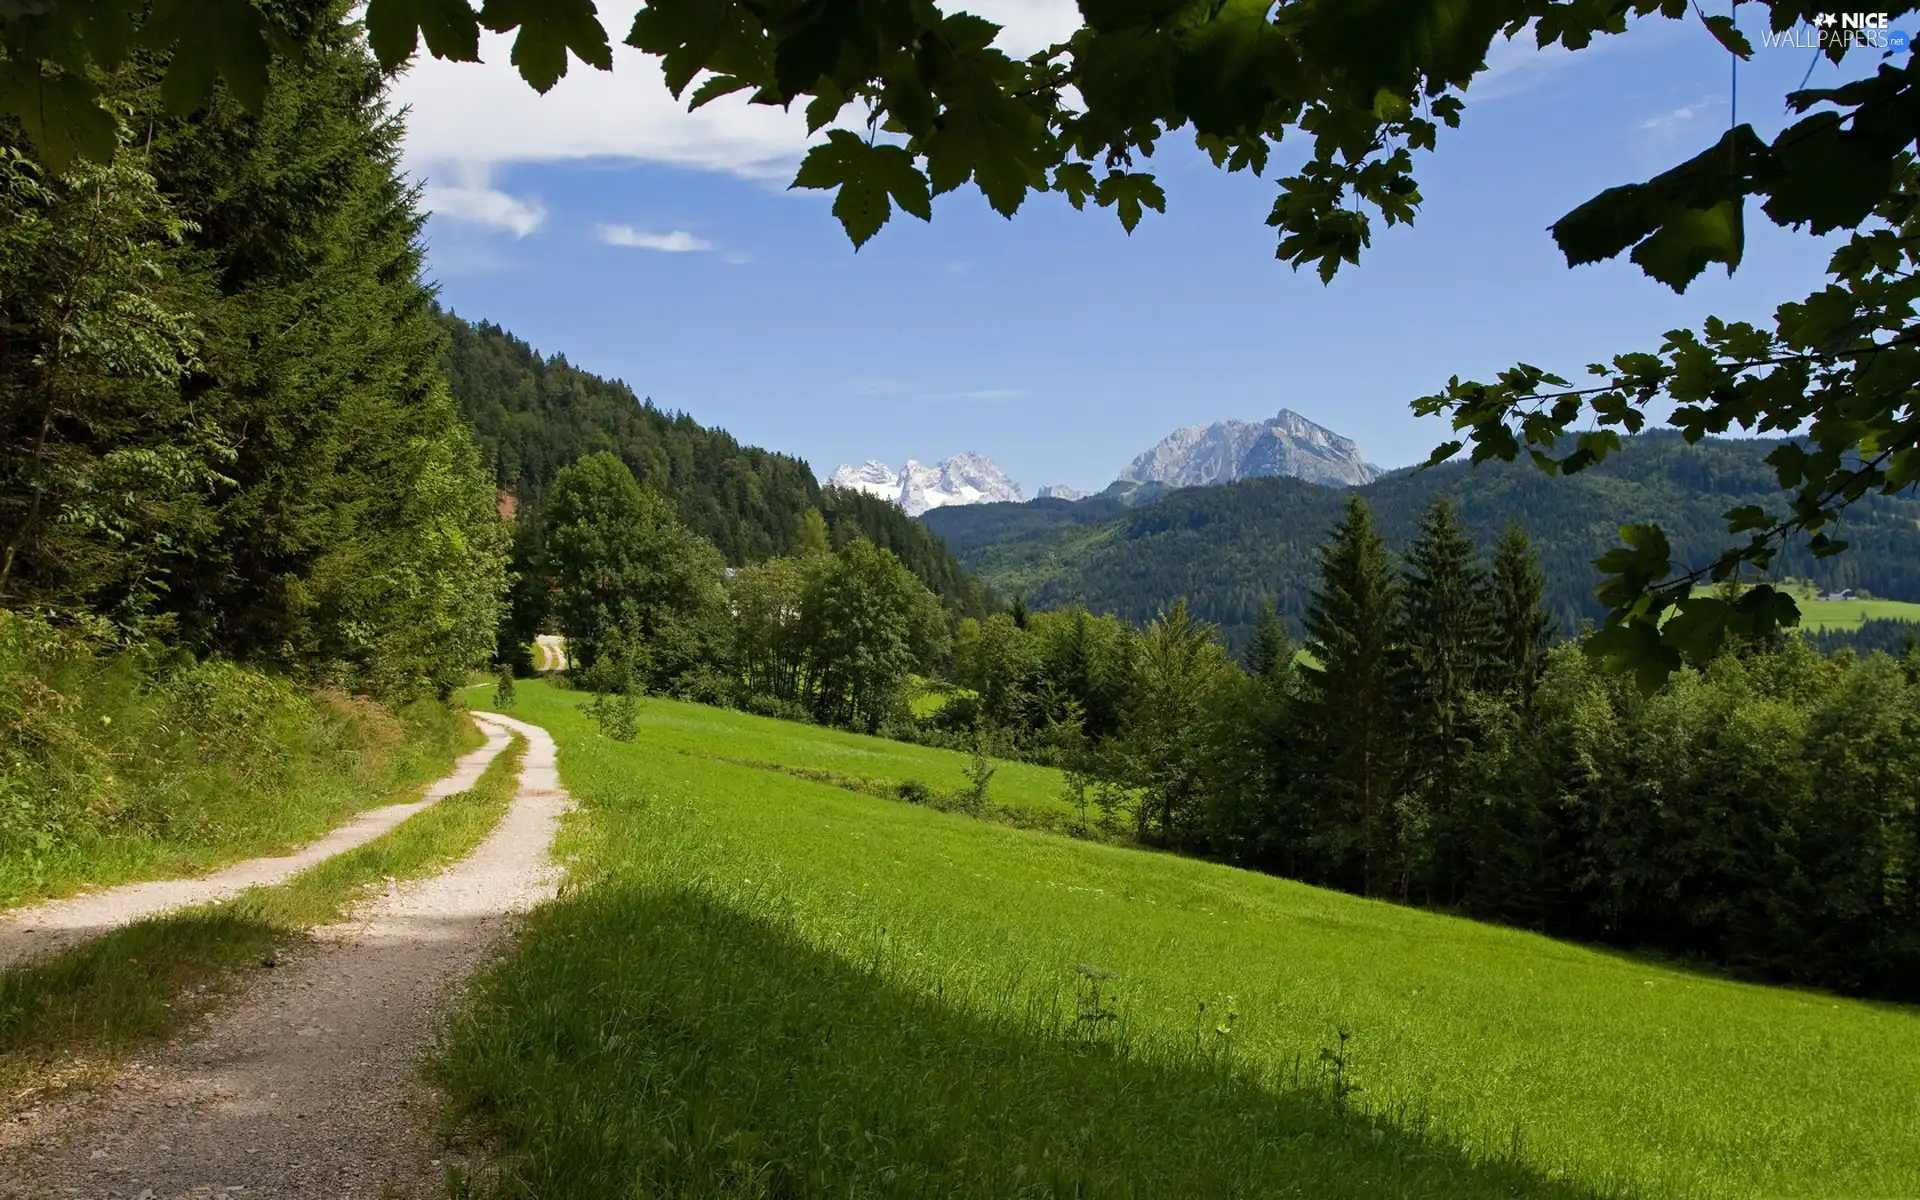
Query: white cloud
[468, 115]
[473, 198]
[1682, 115]
[677, 242]
[1518, 64]
[478, 114]
[1026, 25]
[981, 394]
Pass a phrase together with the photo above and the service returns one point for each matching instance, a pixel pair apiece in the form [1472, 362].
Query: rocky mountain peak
[1288, 444]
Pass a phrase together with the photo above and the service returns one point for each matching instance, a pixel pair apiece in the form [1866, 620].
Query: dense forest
[1436, 745]
[222, 423]
[1227, 548]
[534, 416]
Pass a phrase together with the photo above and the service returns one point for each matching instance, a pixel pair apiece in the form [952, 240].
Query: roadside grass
[115, 768]
[725, 734]
[755, 985]
[68, 1017]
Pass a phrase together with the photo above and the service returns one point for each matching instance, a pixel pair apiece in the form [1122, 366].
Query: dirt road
[306, 1085]
[40, 928]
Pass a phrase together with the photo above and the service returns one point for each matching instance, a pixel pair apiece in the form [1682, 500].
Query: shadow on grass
[657, 1042]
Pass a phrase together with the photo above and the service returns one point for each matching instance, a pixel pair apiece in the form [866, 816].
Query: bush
[765, 704]
[915, 792]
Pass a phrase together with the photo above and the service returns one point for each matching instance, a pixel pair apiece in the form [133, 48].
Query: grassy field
[698, 731]
[761, 986]
[1819, 615]
[70, 1016]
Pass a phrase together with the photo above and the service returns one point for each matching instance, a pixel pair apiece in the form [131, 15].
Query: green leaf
[209, 38]
[548, 30]
[1728, 34]
[60, 114]
[1689, 239]
[1636, 647]
[1698, 628]
[1075, 179]
[715, 87]
[870, 179]
[1747, 516]
[1681, 219]
[1389, 105]
[811, 37]
[394, 29]
[1762, 609]
[825, 106]
[691, 36]
[1130, 192]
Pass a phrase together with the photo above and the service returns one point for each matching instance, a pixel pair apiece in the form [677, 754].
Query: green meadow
[1819, 616]
[700, 732]
[760, 985]
[1822, 615]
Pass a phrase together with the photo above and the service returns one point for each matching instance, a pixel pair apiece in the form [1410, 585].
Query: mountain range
[1195, 456]
[963, 479]
[1226, 547]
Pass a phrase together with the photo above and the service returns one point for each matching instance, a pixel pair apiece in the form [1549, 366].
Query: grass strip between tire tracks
[70, 1017]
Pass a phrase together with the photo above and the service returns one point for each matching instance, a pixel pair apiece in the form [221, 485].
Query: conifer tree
[1267, 745]
[1447, 642]
[1523, 625]
[1270, 656]
[1347, 705]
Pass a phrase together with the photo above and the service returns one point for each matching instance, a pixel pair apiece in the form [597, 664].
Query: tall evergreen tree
[1347, 708]
[1260, 815]
[1446, 644]
[1270, 655]
[225, 366]
[1523, 625]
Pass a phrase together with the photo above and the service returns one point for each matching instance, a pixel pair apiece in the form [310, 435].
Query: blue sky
[603, 223]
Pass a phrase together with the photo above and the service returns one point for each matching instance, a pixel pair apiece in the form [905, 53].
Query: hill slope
[848, 995]
[1225, 547]
[534, 415]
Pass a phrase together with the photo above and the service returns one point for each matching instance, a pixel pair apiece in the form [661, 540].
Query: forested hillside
[1226, 547]
[535, 415]
[221, 419]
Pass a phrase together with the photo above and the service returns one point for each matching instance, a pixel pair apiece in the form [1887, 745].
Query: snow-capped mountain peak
[872, 477]
[963, 479]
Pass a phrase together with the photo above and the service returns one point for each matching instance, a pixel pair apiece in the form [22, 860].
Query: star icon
[1825, 20]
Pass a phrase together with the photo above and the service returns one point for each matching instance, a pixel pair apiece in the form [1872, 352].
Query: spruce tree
[1265, 726]
[1346, 707]
[1447, 643]
[1522, 622]
[1270, 656]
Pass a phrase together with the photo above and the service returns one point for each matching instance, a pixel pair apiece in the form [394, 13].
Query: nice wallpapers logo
[1828, 29]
